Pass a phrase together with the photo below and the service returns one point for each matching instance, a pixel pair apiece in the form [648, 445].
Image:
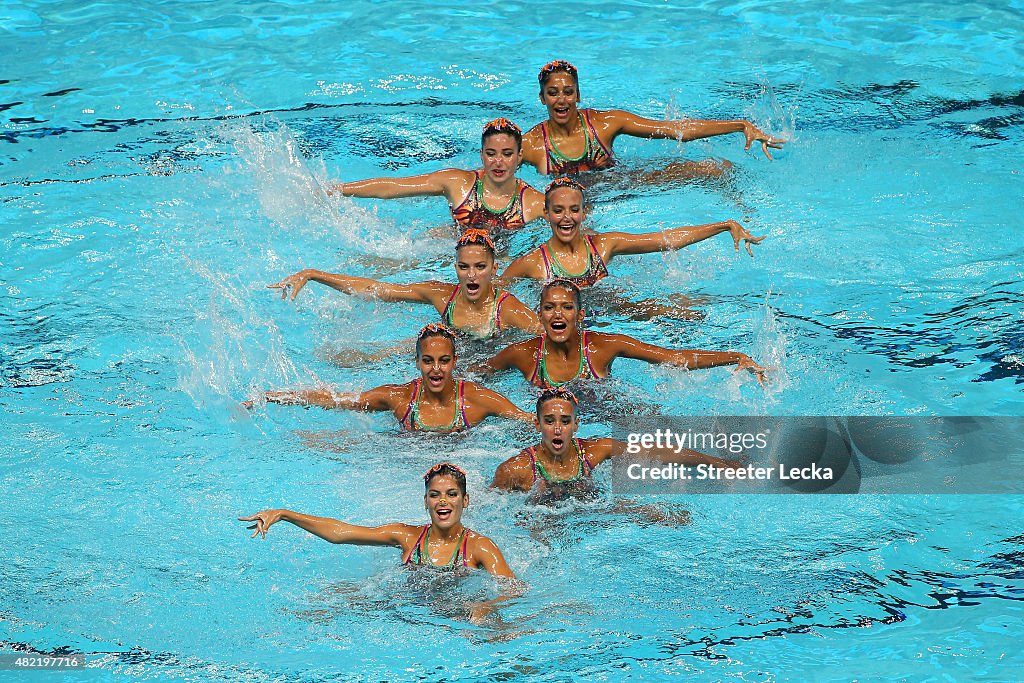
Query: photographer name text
[703, 472]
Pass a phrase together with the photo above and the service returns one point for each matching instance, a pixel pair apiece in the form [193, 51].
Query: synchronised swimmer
[474, 306]
[491, 198]
[576, 140]
[433, 402]
[571, 254]
[565, 352]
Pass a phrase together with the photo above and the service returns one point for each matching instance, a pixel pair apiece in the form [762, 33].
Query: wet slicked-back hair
[552, 393]
[502, 126]
[567, 285]
[434, 330]
[442, 469]
[557, 66]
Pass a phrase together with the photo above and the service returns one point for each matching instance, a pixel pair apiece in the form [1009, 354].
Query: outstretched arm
[364, 287]
[503, 360]
[496, 404]
[624, 122]
[329, 529]
[436, 183]
[612, 243]
[691, 359]
[380, 398]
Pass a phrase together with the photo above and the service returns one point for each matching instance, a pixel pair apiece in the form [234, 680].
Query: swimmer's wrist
[314, 275]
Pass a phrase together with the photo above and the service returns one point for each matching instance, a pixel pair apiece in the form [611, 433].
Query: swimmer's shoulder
[475, 390]
[478, 541]
[534, 134]
[520, 352]
[600, 449]
[482, 552]
[533, 145]
[397, 393]
[515, 474]
[526, 350]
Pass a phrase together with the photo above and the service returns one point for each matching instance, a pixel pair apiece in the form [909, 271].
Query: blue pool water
[158, 167]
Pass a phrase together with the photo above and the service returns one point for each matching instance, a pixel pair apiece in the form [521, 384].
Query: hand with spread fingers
[741, 234]
[293, 283]
[747, 363]
[755, 134]
[263, 521]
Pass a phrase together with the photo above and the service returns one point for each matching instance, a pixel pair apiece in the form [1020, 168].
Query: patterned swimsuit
[546, 489]
[420, 555]
[495, 323]
[474, 213]
[540, 376]
[411, 420]
[594, 158]
[596, 268]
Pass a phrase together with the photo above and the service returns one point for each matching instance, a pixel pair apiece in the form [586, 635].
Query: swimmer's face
[474, 266]
[500, 156]
[563, 208]
[436, 363]
[445, 501]
[560, 95]
[559, 314]
[557, 424]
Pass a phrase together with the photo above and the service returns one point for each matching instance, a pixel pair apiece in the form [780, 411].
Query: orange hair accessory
[564, 181]
[501, 125]
[557, 65]
[433, 329]
[475, 236]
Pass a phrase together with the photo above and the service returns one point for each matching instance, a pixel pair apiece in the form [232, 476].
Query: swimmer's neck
[441, 398]
[557, 459]
[436, 533]
[569, 129]
[482, 304]
[578, 244]
[564, 350]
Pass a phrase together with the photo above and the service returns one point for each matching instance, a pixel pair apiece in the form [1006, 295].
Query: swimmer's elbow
[501, 481]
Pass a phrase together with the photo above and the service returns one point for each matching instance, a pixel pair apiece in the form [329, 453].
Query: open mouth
[472, 287]
[562, 111]
[559, 325]
[567, 228]
[557, 443]
[443, 513]
[436, 380]
[498, 172]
